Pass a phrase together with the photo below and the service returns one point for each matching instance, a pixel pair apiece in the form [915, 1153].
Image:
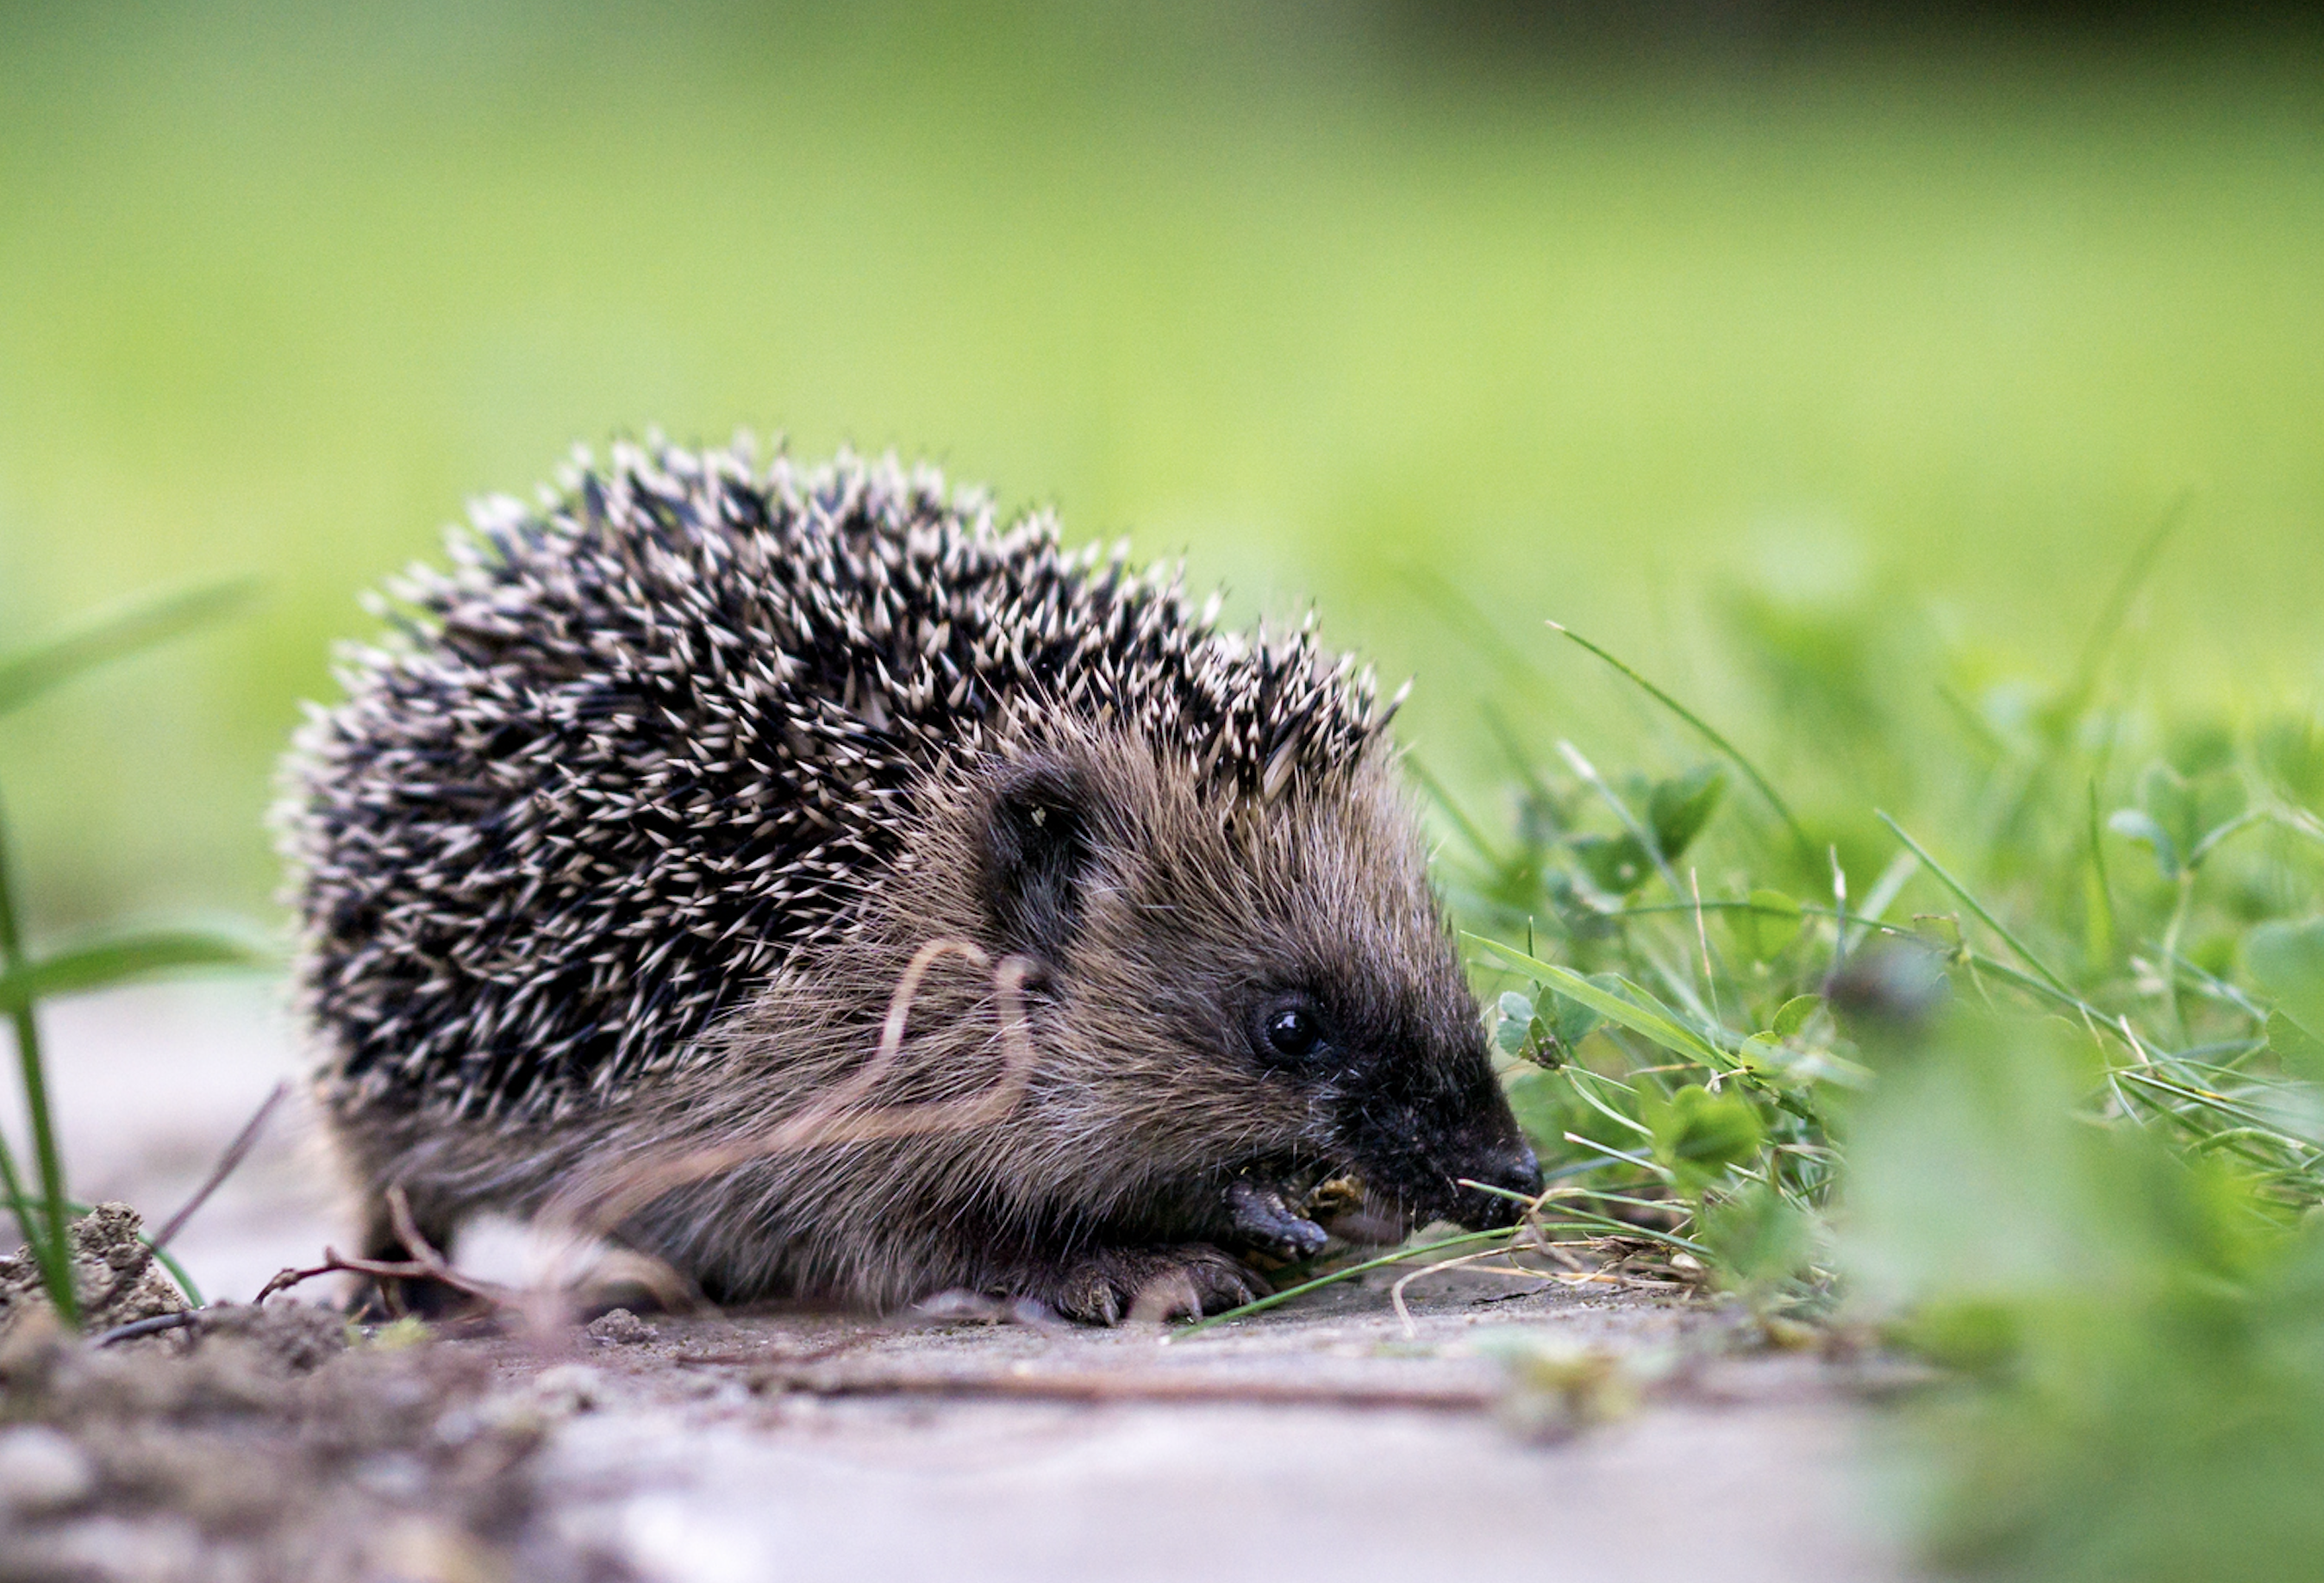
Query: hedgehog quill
[624, 842]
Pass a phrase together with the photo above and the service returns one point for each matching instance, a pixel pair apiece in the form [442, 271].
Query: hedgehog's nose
[1514, 1168]
[1510, 1167]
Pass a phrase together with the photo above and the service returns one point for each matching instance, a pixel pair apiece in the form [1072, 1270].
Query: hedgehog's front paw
[1152, 1284]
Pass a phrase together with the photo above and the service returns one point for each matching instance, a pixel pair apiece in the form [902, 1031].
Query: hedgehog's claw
[1153, 1284]
[1263, 1216]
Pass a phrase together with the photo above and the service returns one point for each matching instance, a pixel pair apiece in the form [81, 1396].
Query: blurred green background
[1381, 307]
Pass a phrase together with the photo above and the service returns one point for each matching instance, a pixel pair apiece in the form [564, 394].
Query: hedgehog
[847, 896]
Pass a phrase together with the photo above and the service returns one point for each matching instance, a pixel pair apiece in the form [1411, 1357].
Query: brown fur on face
[1160, 918]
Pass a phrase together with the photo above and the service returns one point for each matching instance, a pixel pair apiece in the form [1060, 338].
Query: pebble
[41, 1470]
[392, 1476]
[569, 1388]
[620, 1328]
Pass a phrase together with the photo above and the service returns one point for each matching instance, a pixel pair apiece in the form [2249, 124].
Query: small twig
[407, 1232]
[1094, 1385]
[284, 1279]
[184, 1319]
[425, 1264]
[228, 1162]
[433, 1266]
[335, 1263]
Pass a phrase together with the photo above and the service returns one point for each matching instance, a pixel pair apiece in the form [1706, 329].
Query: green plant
[1693, 1041]
[2042, 1102]
[95, 961]
[2130, 1338]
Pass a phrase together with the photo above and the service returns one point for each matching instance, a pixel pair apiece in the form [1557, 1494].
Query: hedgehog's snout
[1486, 1148]
[1476, 1170]
[1508, 1165]
[1458, 1154]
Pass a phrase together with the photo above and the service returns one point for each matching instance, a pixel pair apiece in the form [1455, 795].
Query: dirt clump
[114, 1275]
[620, 1328]
[264, 1443]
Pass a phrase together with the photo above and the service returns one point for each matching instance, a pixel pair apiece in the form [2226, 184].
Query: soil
[118, 1282]
[262, 1445]
[1506, 1428]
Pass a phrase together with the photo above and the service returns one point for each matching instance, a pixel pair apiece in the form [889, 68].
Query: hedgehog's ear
[1038, 849]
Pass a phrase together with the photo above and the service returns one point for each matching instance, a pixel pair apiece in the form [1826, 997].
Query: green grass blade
[1945, 875]
[1639, 832]
[120, 958]
[169, 1262]
[1451, 809]
[1470, 623]
[113, 634]
[2104, 925]
[51, 1244]
[1710, 735]
[1656, 1025]
[1261, 1305]
[2117, 608]
[29, 1226]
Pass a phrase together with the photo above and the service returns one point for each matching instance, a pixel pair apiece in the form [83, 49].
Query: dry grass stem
[228, 1164]
[1396, 1292]
[839, 1119]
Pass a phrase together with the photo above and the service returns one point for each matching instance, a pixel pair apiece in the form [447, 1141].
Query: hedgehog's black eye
[1291, 1030]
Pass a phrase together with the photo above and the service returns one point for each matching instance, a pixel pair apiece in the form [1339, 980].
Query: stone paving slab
[801, 1446]
[1739, 1471]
